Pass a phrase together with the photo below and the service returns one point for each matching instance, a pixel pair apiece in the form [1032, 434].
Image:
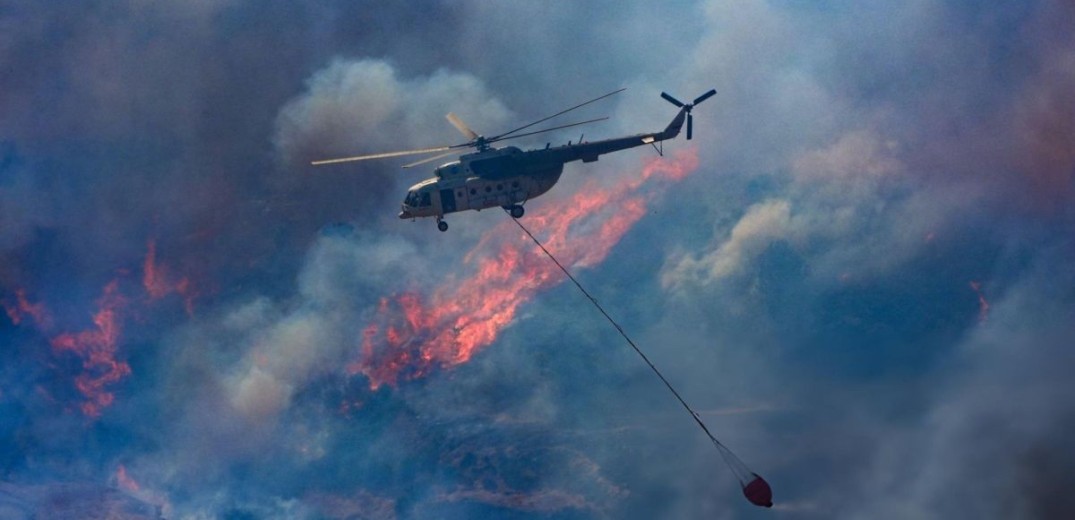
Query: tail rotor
[688, 106]
[672, 100]
[704, 97]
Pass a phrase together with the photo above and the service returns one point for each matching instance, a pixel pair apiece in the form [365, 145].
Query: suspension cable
[742, 473]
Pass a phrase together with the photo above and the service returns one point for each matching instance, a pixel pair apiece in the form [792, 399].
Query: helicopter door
[447, 201]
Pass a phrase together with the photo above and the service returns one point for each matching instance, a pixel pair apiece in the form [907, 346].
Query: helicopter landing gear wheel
[516, 211]
[442, 225]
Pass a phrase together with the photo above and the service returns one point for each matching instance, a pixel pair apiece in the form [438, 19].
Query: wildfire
[125, 482]
[22, 308]
[158, 282]
[414, 333]
[97, 348]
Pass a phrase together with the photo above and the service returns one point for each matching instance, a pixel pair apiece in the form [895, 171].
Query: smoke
[194, 317]
[762, 224]
[416, 332]
[355, 106]
[978, 450]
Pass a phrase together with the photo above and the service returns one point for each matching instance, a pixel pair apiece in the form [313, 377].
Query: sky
[858, 272]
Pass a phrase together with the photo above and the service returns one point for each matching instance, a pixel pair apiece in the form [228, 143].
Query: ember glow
[96, 348]
[415, 332]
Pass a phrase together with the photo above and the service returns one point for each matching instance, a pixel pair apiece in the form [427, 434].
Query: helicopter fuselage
[502, 177]
[508, 177]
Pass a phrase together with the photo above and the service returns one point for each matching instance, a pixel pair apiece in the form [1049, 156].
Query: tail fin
[674, 127]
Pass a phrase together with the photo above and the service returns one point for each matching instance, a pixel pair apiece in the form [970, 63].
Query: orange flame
[97, 348]
[22, 307]
[415, 333]
[157, 280]
[125, 482]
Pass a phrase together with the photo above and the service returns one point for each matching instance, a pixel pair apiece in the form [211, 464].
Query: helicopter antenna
[551, 129]
[477, 140]
[560, 113]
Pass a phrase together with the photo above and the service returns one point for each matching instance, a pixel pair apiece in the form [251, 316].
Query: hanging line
[742, 473]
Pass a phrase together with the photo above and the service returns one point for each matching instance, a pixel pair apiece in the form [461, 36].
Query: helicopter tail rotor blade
[461, 126]
[672, 100]
[684, 112]
[704, 97]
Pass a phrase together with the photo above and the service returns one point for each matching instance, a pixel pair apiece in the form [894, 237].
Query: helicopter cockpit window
[415, 199]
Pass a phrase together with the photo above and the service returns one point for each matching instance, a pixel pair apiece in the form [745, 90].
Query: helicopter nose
[405, 214]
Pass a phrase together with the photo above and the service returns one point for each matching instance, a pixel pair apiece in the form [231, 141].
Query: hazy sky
[858, 272]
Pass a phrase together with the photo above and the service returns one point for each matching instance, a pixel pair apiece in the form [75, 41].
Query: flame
[414, 333]
[22, 307]
[97, 348]
[158, 282]
[983, 304]
[125, 482]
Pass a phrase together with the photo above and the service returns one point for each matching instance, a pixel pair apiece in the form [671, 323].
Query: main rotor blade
[429, 159]
[382, 155]
[672, 100]
[704, 97]
[562, 112]
[461, 126]
[548, 129]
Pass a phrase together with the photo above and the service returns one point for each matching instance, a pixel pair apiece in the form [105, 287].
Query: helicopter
[508, 177]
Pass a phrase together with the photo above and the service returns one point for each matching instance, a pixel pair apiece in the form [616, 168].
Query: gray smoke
[807, 289]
